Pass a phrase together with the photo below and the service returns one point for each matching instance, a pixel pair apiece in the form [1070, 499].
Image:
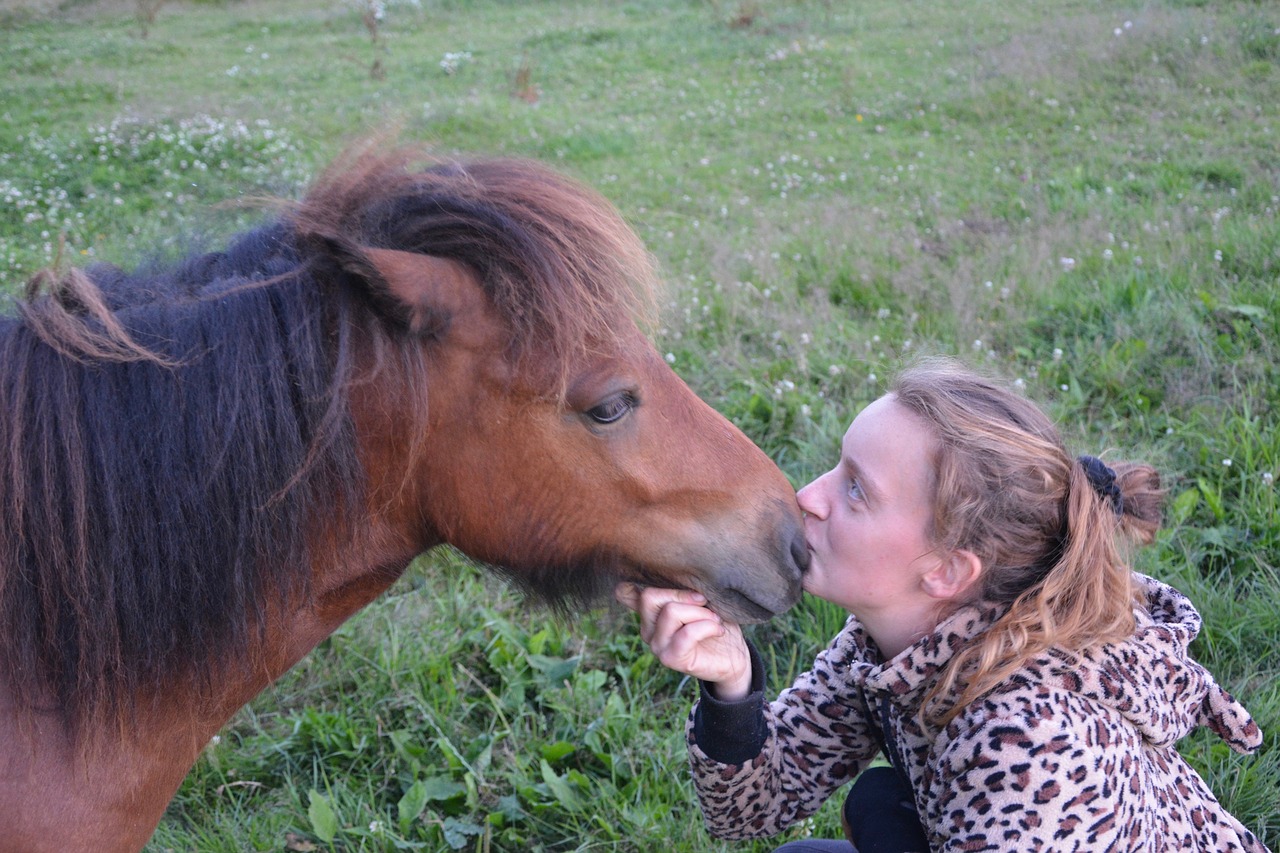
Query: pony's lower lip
[741, 608]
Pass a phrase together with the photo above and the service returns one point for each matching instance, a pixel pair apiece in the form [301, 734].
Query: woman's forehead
[888, 443]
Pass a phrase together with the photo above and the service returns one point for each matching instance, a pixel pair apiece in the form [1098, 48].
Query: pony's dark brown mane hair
[172, 439]
[561, 267]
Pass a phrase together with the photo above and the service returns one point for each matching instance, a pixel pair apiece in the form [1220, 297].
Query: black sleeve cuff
[733, 732]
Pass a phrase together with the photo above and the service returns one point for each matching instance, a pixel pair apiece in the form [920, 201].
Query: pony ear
[420, 292]
[429, 290]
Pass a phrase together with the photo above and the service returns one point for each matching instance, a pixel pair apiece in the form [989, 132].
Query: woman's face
[867, 519]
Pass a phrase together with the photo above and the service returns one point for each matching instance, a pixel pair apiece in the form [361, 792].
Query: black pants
[879, 816]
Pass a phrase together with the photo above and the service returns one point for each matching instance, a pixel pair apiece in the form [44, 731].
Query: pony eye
[613, 408]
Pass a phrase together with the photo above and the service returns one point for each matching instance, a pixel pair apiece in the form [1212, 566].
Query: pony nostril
[800, 552]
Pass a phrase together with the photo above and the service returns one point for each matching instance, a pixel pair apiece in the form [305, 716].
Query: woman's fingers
[678, 646]
[632, 596]
[649, 602]
[686, 636]
[669, 618]
[628, 595]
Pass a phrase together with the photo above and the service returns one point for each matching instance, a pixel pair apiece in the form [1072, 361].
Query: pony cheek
[503, 517]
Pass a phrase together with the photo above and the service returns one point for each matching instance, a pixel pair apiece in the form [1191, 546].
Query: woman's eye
[855, 491]
[613, 408]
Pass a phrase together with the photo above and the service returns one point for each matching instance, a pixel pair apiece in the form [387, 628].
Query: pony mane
[171, 439]
[559, 264]
[150, 425]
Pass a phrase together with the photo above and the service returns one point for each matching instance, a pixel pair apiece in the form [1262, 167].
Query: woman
[1025, 685]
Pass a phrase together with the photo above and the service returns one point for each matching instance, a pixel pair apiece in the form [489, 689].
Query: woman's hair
[1047, 526]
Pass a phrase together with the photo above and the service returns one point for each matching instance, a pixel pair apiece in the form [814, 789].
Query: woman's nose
[811, 499]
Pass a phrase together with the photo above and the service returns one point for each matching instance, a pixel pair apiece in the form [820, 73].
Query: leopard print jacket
[1070, 754]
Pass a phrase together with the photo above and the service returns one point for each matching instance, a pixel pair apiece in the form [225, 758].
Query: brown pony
[205, 469]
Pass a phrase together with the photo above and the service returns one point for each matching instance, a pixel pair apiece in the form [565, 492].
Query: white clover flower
[452, 61]
[670, 357]
[1226, 463]
[1068, 264]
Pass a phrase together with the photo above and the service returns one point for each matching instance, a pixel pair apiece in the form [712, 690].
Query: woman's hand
[686, 636]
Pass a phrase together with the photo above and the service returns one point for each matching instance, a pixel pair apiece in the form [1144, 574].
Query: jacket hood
[1152, 681]
[1149, 679]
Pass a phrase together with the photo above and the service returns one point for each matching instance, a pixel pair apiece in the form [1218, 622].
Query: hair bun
[1103, 480]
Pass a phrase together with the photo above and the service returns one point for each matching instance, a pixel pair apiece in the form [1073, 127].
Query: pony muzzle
[747, 593]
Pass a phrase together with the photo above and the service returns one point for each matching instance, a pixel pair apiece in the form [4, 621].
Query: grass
[1084, 201]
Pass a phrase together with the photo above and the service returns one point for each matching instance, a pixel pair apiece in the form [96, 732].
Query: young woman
[1026, 687]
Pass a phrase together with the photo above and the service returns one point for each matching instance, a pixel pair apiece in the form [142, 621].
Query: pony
[206, 467]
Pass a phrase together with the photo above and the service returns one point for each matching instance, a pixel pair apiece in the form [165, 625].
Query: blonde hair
[1049, 539]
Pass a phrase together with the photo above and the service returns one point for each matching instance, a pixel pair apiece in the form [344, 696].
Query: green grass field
[1083, 196]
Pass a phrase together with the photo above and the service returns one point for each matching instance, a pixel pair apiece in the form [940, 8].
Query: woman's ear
[953, 576]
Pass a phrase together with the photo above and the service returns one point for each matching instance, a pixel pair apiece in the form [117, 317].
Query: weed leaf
[457, 832]
[560, 788]
[411, 805]
[324, 822]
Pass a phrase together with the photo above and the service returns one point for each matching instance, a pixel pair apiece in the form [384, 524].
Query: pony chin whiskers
[567, 585]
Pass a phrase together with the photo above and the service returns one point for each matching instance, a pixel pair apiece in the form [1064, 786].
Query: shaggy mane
[561, 267]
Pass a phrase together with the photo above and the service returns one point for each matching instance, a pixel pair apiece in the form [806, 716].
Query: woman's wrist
[732, 730]
[733, 689]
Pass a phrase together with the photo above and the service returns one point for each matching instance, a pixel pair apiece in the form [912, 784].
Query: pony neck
[116, 780]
